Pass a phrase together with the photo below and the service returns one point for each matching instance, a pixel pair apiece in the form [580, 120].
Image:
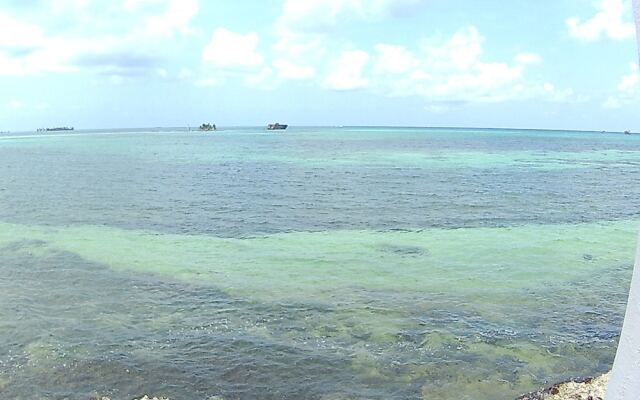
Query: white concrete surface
[625, 376]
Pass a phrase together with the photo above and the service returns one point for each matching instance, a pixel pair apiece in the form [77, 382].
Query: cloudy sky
[566, 64]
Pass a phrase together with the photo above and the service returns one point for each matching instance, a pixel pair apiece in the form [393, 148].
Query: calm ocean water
[316, 263]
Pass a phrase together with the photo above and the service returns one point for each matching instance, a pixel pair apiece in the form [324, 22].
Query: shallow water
[323, 263]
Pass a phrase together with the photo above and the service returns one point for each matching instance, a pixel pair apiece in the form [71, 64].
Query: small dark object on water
[587, 257]
[207, 127]
[409, 251]
[627, 132]
[276, 126]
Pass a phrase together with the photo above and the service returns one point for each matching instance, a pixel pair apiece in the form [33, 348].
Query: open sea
[312, 263]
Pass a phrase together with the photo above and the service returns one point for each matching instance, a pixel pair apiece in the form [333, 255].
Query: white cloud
[185, 73]
[631, 82]
[452, 71]
[10, 66]
[112, 38]
[42, 54]
[395, 8]
[437, 108]
[612, 102]
[288, 70]
[394, 59]
[24, 48]
[612, 20]
[303, 32]
[322, 15]
[62, 6]
[347, 71]
[18, 105]
[461, 51]
[484, 82]
[208, 82]
[628, 90]
[313, 15]
[528, 59]
[449, 70]
[17, 34]
[116, 79]
[308, 32]
[177, 16]
[15, 104]
[551, 93]
[230, 49]
[260, 78]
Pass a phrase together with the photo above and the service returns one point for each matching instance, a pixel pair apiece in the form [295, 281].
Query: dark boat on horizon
[276, 126]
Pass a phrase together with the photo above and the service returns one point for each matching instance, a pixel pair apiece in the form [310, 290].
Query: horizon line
[221, 127]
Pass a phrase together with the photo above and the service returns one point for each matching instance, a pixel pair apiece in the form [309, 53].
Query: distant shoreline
[296, 127]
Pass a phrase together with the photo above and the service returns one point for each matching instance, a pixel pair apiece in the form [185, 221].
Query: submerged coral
[141, 398]
[146, 397]
[586, 389]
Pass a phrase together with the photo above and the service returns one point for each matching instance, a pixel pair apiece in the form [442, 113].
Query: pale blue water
[319, 263]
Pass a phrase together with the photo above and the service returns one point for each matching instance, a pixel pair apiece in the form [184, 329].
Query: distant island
[58, 128]
[207, 127]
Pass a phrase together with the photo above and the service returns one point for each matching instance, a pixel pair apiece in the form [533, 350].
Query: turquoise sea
[314, 263]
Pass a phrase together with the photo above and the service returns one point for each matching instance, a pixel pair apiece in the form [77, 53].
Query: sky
[550, 64]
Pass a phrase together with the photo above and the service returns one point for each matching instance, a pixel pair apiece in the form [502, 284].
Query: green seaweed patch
[337, 396]
[366, 366]
[470, 387]
[42, 353]
[516, 351]
[26, 247]
[4, 382]
[440, 342]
